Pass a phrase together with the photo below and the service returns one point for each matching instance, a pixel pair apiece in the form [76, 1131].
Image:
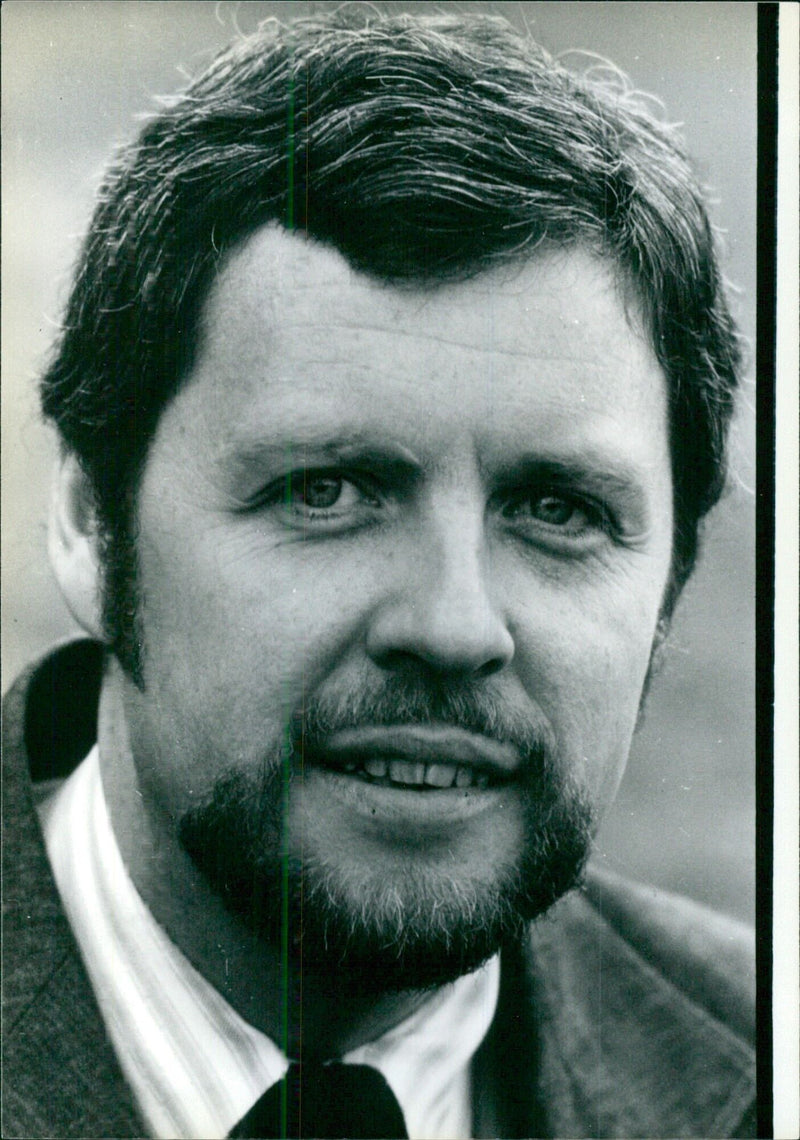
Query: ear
[73, 543]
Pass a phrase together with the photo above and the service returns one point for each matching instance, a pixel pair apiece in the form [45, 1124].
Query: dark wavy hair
[423, 149]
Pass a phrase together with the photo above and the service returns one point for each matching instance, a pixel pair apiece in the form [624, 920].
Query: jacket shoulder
[643, 1006]
[709, 957]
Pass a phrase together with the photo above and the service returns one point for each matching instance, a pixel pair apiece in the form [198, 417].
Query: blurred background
[75, 76]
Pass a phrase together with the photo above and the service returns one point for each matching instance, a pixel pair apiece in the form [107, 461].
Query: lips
[428, 758]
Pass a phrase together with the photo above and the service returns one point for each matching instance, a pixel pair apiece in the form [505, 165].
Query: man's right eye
[322, 499]
[319, 492]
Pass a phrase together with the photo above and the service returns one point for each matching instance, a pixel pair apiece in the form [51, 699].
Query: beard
[423, 927]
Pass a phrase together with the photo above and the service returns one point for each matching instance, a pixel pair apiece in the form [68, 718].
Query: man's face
[401, 558]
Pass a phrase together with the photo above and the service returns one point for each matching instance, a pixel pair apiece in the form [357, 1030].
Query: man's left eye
[556, 511]
[561, 515]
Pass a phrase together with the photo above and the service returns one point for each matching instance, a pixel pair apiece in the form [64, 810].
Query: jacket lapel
[61, 1077]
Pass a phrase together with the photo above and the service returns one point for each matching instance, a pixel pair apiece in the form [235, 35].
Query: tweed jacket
[627, 1012]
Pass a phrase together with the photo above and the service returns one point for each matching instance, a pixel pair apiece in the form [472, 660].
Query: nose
[437, 609]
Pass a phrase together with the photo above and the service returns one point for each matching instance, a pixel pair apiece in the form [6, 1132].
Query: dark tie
[326, 1102]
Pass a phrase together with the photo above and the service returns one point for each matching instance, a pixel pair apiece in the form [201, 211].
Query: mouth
[423, 758]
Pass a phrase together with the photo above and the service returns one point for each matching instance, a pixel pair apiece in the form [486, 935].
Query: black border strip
[765, 549]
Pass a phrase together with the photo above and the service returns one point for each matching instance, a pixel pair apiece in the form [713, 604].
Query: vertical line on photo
[290, 150]
[285, 977]
[765, 520]
[288, 750]
[786, 829]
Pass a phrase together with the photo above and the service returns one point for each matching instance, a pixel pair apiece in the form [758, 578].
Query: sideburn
[121, 600]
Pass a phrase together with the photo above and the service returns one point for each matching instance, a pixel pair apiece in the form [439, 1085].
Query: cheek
[235, 638]
[244, 626]
[583, 658]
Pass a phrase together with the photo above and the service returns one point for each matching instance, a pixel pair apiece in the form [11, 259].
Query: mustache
[416, 700]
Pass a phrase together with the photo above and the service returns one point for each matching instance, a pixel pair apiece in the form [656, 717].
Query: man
[393, 390]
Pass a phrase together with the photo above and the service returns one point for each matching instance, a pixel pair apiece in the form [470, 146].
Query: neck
[302, 1008]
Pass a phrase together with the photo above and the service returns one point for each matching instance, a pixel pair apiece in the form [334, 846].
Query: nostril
[490, 667]
[400, 661]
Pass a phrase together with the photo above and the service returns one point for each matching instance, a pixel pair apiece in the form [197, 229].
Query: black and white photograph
[382, 535]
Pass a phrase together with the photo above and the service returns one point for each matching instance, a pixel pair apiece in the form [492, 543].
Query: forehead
[295, 341]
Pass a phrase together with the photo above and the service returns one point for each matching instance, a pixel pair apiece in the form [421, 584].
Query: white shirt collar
[195, 1066]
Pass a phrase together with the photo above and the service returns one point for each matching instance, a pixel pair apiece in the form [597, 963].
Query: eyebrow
[597, 472]
[258, 456]
[609, 471]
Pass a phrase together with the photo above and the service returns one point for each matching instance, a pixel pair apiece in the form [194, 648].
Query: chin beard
[423, 928]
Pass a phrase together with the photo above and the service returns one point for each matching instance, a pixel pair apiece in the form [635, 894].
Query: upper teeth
[412, 772]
